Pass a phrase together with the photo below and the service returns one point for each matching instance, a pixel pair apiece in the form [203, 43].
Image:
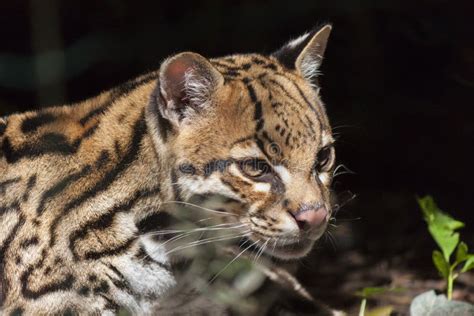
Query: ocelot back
[81, 184]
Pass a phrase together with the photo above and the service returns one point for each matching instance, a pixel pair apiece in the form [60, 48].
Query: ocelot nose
[310, 216]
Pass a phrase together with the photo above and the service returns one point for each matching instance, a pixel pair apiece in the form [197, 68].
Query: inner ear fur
[187, 83]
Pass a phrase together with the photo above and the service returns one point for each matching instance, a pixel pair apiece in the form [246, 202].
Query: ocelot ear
[305, 54]
[187, 84]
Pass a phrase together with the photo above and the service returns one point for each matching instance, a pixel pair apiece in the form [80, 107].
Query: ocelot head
[252, 128]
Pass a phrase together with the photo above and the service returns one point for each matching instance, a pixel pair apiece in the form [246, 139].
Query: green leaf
[368, 292]
[469, 264]
[380, 311]
[461, 252]
[441, 226]
[441, 264]
[446, 239]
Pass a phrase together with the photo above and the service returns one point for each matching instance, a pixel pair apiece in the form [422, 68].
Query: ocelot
[83, 185]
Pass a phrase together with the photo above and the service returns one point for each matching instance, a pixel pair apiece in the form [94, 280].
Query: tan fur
[76, 183]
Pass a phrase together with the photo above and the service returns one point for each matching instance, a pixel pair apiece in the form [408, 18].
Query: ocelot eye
[324, 159]
[255, 168]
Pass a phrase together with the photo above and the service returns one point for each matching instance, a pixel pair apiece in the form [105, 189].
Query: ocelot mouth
[281, 250]
[290, 251]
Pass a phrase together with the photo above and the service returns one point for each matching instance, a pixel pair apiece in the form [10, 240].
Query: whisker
[199, 207]
[189, 233]
[204, 219]
[262, 249]
[209, 228]
[346, 170]
[206, 241]
[331, 239]
[344, 126]
[338, 206]
[265, 248]
[275, 243]
[232, 261]
[349, 219]
[178, 237]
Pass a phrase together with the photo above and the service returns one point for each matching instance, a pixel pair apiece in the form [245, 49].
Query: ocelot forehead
[289, 118]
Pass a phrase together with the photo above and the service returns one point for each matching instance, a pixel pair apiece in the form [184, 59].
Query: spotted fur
[81, 184]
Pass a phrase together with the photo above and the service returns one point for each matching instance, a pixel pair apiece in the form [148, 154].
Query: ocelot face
[252, 128]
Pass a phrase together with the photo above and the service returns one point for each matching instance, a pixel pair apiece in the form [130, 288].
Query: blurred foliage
[372, 292]
[369, 292]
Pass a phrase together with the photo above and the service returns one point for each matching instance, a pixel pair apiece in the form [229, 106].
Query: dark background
[398, 81]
